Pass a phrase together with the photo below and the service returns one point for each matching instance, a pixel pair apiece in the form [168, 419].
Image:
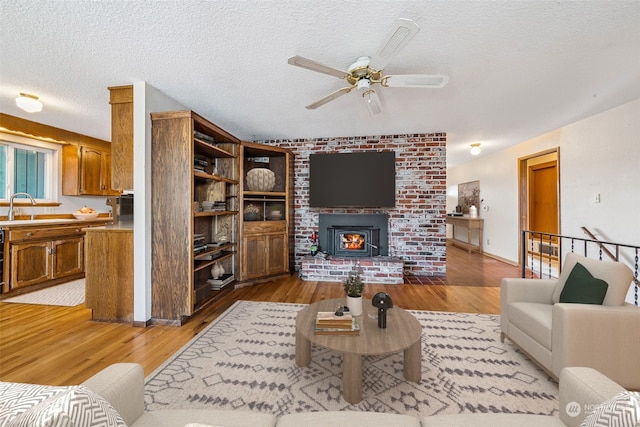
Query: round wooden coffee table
[403, 333]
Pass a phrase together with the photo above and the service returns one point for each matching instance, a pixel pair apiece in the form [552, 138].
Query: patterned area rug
[68, 294]
[246, 360]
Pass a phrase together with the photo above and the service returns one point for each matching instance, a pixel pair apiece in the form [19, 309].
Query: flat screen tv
[362, 180]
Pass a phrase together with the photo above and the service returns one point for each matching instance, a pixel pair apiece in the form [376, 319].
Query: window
[27, 166]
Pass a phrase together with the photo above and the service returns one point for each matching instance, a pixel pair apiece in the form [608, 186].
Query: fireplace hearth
[353, 235]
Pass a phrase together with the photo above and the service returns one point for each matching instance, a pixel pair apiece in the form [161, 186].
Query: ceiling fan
[367, 72]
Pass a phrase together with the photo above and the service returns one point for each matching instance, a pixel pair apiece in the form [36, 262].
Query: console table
[470, 224]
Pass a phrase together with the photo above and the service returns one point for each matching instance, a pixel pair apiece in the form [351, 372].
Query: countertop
[116, 226]
[51, 222]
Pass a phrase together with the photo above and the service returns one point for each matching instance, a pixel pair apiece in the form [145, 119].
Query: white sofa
[604, 337]
[122, 385]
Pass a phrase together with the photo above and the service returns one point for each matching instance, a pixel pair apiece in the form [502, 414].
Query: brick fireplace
[353, 235]
[349, 240]
[417, 223]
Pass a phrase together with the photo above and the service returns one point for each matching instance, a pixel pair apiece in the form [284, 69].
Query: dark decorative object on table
[383, 302]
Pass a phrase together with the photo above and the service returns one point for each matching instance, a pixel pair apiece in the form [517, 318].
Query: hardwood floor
[61, 345]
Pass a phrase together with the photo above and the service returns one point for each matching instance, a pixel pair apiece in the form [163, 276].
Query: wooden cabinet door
[254, 256]
[68, 257]
[91, 171]
[30, 263]
[276, 253]
[107, 179]
[121, 100]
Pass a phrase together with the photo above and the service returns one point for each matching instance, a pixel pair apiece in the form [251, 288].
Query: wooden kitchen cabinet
[37, 255]
[121, 100]
[37, 262]
[86, 171]
[109, 273]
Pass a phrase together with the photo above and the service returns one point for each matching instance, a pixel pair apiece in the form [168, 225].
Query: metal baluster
[531, 262]
[635, 275]
[540, 263]
[549, 256]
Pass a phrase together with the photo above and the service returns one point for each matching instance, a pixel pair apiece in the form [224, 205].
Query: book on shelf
[221, 282]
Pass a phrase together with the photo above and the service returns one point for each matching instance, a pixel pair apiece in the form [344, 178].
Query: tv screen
[363, 180]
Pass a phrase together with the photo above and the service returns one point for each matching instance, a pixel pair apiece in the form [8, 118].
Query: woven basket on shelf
[261, 179]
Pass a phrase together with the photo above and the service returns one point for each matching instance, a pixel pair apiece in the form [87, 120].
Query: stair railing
[545, 250]
[604, 249]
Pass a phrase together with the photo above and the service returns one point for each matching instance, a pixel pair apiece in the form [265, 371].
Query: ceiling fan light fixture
[29, 103]
[363, 85]
[475, 149]
[372, 101]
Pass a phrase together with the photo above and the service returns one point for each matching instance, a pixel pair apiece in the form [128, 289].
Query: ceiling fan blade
[301, 62]
[431, 81]
[329, 97]
[404, 31]
[372, 101]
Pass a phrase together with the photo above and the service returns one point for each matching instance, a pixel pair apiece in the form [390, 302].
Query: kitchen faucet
[11, 214]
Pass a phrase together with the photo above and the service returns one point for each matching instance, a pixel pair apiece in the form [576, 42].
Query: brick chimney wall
[417, 228]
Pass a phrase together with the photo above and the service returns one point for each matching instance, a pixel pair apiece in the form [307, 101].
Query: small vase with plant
[251, 212]
[353, 286]
[276, 211]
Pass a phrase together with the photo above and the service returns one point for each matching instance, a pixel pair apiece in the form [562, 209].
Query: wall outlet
[488, 242]
[49, 210]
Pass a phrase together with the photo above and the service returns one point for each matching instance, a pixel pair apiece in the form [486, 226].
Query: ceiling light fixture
[372, 101]
[475, 149]
[29, 103]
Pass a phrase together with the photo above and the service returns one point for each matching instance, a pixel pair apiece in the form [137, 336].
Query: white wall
[600, 154]
[146, 99]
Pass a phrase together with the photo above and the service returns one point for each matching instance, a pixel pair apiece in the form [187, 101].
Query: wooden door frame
[523, 192]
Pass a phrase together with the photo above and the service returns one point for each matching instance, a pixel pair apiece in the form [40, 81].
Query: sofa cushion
[492, 420]
[18, 398]
[621, 410]
[533, 319]
[213, 417]
[581, 287]
[617, 275]
[70, 407]
[347, 418]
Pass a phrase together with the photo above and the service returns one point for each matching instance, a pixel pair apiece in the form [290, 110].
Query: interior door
[539, 194]
[543, 197]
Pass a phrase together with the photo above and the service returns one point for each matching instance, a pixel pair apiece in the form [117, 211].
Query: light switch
[596, 198]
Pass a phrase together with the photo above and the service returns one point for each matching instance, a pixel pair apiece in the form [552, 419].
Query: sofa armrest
[527, 290]
[122, 385]
[523, 290]
[581, 389]
[605, 338]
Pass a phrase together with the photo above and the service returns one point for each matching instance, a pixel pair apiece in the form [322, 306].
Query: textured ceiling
[517, 68]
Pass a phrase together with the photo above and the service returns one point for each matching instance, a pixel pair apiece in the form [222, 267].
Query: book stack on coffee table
[328, 323]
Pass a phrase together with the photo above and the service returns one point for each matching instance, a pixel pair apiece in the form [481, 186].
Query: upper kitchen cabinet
[121, 100]
[86, 170]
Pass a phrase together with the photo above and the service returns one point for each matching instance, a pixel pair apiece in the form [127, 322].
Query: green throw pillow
[582, 288]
